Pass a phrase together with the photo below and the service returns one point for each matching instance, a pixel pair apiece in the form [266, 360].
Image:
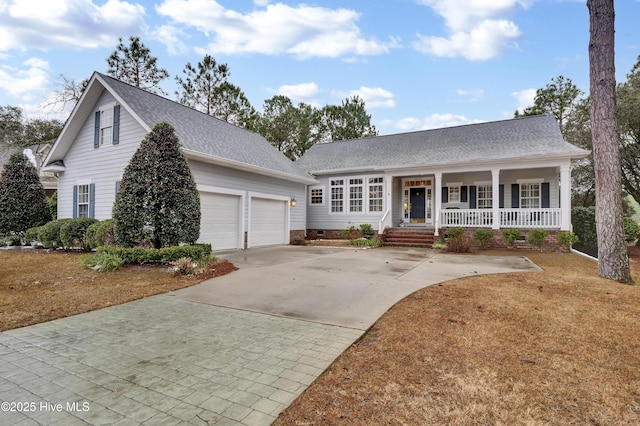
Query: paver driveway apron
[181, 358]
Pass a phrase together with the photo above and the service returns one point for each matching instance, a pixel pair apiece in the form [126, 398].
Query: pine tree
[134, 64]
[23, 203]
[158, 204]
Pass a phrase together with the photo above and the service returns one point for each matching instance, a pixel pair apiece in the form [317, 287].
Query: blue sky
[417, 63]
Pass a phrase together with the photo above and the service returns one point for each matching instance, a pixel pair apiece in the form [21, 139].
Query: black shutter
[75, 201]
[445, 194]
[473, 199]
[544, 189]
[116, 124]
[463, 194]
[515, 195]
[501, 196]
[96, 133]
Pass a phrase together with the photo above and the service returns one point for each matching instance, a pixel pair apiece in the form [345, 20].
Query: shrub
[372, 242]
[52, 203]
[73, 233]
[103, 262]
[458, 241]
[351, 233]
[483, 237]
[567, 239]
[138, 255]
[511, 236]
[100, 234]
[183, 266]
[31, 235]
[49, 234]
[158, 202]
[537, 237]
[583, 220]
[631, 230]
[367, 230]
[23, 203]
[438, 245]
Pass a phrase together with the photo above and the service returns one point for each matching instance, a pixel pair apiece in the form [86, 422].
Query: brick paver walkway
[162, 361]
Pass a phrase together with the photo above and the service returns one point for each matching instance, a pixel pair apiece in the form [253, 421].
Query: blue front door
[417, 200]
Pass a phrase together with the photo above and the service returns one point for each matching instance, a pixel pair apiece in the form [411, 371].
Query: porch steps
[409, 237]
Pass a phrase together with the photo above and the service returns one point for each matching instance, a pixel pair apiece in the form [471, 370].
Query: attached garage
[221, 222]
[269, 223]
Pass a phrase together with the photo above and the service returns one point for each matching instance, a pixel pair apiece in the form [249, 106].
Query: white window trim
[458, 185]
[483, 183]
[344, 195]
[363, 185]
[489, 185]
[536, 180]
[324, 195]
[105, 107]
[368, 192]
[530, 182]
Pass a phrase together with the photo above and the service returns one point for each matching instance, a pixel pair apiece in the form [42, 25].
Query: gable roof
[499, 141]
[202, 136]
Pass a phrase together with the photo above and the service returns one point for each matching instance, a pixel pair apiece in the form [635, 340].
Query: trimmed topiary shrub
[73, 233]
[537, 237]
[100, 234]
[23, 203]
[483, 237]
[31, 235]
[158, 203]
[49, 234]
[52, 203]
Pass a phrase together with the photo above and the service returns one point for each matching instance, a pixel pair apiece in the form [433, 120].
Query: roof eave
[246, 167]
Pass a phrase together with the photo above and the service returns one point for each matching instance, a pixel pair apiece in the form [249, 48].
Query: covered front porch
[524, 198]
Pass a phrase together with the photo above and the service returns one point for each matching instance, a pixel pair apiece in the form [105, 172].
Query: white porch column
[436, 220]
[495, 202]
[565, 197]
[388, 200]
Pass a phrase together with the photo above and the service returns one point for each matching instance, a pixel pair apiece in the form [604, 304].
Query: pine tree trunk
[612, 251]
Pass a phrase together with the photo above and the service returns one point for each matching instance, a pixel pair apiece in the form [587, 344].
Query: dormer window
[107, 126]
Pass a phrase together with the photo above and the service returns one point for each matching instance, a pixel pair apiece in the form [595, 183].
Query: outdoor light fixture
[292, 203]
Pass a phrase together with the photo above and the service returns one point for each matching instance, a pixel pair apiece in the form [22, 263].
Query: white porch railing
[509, 218]
[382, 223]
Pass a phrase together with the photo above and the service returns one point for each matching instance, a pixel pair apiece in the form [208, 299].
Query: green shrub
[631, 230]
[458, 241]
[583, 220]
[567, 239]
[100, 234]
[483, 237]
[73, 233]
[138, 255]
[351, 233]
[511, 236]
[367, 230]
[52, 203]
[438, 245]
[537, 237]
[49, 233]
[103, 262]
[31, 235]
[372, 242]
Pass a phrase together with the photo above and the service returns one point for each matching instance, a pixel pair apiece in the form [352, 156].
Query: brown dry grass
[559, 347]
[38, 286]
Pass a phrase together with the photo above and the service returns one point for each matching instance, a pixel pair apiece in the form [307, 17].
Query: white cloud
[66, 23]
[374, 97]
[433, 121]
[524, 98]
[171, 37]
[472, 95]
[272, 29]
[304, 92]
[26, 83]
[477, 29]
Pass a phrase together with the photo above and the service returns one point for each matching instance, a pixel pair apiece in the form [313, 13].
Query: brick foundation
[296, 235]
[498, 241]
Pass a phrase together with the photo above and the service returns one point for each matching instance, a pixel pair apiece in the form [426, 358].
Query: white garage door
[220, 222]
[268, 222]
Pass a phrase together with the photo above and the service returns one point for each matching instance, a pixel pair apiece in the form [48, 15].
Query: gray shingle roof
[537, 136]
[203, 133]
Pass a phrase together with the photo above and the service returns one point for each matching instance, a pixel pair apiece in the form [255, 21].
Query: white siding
[102, 166]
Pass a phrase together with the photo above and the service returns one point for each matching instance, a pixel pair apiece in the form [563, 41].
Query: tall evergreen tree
[200, 87]
[232, 106]
[23, 203]
[134, 64]
[348, 120]
[158, 203]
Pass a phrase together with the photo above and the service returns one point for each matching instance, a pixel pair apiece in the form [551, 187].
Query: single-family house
[246, 186]
[504, 174]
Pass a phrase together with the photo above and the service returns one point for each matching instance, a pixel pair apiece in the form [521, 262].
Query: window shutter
[544, 189]
[463, 194]
[515, 195]
[501, 196]
[473, 199]
[75, 201]
[96, 134]
[445, 194]
[92, 200]
[117, 186]
[116, 124]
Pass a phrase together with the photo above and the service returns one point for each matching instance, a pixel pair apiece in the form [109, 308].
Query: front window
[485, 196]
[316, 196]
[530, 195]
[106, 126]
[83, 200]
[454, 194]
[337, 196]
[355, 195]
[375, 194]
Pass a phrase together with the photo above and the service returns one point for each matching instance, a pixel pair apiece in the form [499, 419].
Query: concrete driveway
[338, 286]
[236, 350]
